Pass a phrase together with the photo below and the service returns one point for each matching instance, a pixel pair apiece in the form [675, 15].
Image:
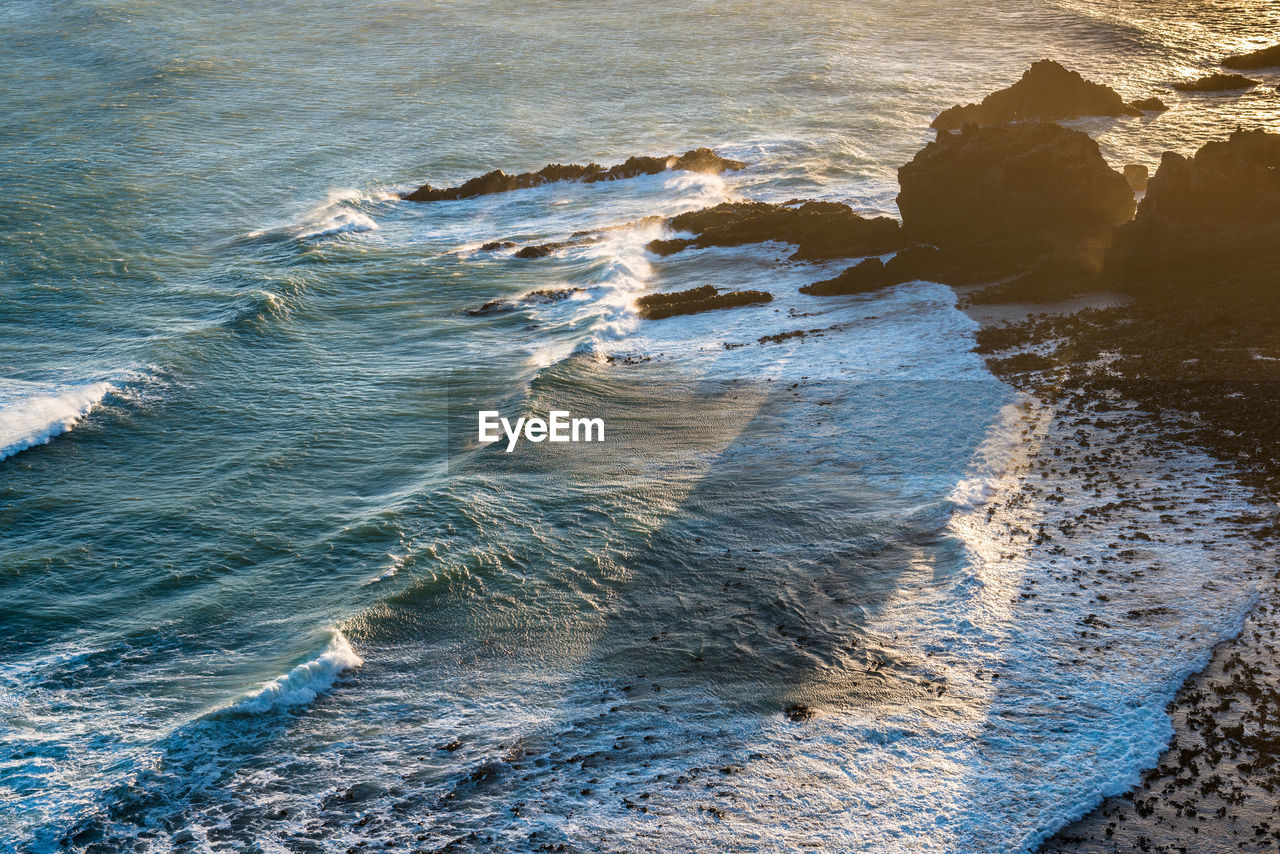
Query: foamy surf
[29, 417]
[301, 685]
[342, 212]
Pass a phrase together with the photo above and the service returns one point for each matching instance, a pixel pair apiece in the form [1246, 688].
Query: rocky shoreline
[1013, 208]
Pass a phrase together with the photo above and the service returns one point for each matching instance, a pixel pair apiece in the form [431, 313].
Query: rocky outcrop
[497, 181]
[820, 230]
[1149, 105]
[1265, 58]
[1031, 206]
[995, 198]
[1137, 176]
[1046, 91]
[1216, 82]
[1208, 223]
[695, 300]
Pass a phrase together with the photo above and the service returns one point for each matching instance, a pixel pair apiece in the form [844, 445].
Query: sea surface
[259, 593]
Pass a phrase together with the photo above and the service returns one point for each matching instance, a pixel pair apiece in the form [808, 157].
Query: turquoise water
[248, 595]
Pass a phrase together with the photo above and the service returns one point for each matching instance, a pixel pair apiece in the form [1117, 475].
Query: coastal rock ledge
[497, 181]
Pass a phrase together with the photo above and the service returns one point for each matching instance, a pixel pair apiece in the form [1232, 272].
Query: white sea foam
[305, 682]
[342, 212]
[30, 415]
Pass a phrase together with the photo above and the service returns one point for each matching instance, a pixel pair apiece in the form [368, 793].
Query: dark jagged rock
[867, 276]
[502, 306]
[1136, 175]
[1046, 91]
[913, 263]
[495, 245]
[1207, 221]
[1216, 82]
[497, 181]
[994, 199]
[695, 300]
[1265, 58]
[1149, 105]
[542, 250]
[820, 230]
[539, 250]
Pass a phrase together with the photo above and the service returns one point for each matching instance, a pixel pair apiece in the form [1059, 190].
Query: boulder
[820, 230]
[1265, 58]
[1216, 82]
[497, 181]
[694, 300]
[1046, 91]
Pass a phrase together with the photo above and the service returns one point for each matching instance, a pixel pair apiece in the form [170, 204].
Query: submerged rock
[543, 295]
[1264, 58]
[497, 181]
[820, 230]
[694, 300]
[1046, 91]
[1216, 82]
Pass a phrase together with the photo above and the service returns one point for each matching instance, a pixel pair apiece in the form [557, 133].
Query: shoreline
[1212, 787]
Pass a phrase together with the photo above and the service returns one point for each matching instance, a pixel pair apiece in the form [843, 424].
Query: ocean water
[256, 596]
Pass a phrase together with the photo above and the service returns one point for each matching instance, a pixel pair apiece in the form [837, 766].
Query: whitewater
[840, 591]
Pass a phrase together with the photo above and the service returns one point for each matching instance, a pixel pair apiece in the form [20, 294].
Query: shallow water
[251, 588]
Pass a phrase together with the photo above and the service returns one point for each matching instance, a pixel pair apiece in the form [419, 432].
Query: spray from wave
[28, 419]
[342, 212]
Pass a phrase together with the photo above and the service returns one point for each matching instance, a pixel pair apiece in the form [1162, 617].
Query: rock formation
[502, 306]
[820, 230]
[1012, 192]
[1046, 91]
[1265, 58]
[1137, 176]
[497, 181]
[1208, 223]
[694, 300]
[1149, 105]
[1216, 82]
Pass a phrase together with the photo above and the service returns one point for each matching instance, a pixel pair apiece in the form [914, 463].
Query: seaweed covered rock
[995, 198]
[497, 181]
[695, 300]
[820, 230]
[1265, 58]
[1046, 91]
[1216, 82]
[1209, 224]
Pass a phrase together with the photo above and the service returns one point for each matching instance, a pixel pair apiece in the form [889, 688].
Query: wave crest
[27, 420]
[304, 683]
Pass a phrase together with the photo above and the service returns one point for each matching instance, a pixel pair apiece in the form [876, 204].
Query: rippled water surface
[251, 596]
